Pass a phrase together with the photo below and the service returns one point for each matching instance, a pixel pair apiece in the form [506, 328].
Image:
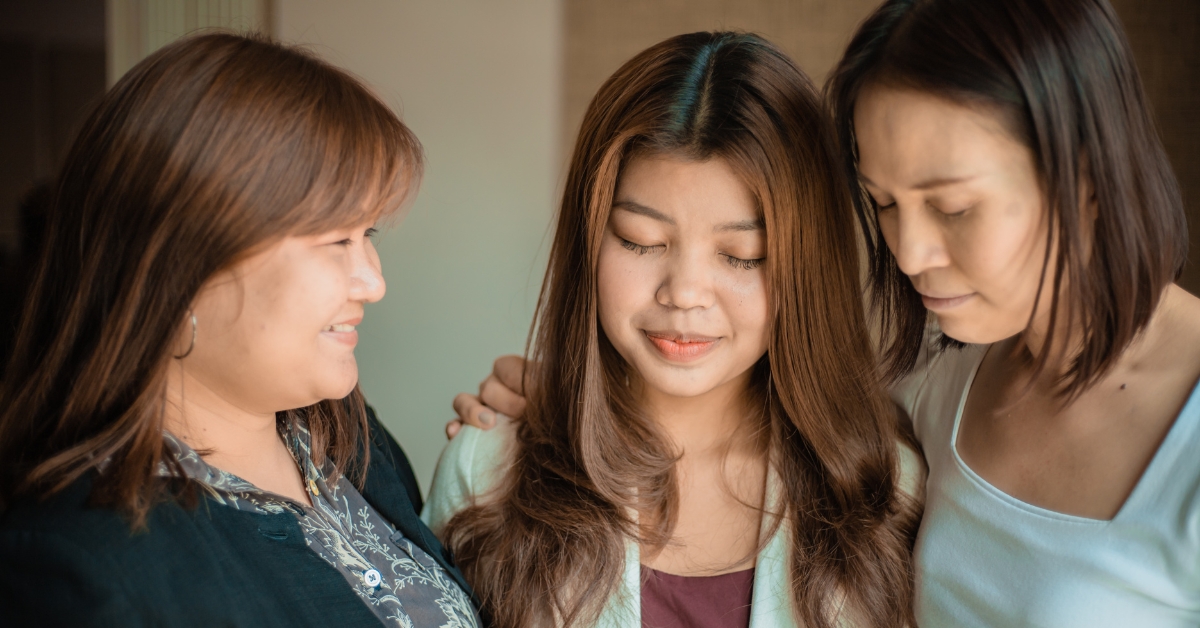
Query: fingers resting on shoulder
[501, 392]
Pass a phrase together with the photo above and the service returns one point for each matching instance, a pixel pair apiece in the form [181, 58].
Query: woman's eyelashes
[736, 262]
[880, 207]
[744, 264]
[952, 213]
[367, 235]
[638, 248]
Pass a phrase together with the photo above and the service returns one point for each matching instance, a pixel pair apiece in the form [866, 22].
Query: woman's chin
[340, 385]
[973, 332]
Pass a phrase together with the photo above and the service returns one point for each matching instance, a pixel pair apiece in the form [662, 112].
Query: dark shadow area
[1165, 37]
[52, 70]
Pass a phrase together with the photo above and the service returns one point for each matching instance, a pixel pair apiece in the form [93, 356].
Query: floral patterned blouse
[397, 580]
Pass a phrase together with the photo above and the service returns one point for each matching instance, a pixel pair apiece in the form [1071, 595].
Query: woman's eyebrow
[642, 210]
[927, 184]
[755, 224]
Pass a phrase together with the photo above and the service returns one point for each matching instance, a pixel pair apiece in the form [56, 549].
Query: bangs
[365, 164]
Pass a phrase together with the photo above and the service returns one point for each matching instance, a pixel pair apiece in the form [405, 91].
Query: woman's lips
[343, 332]
[941, 304]
[681, 347]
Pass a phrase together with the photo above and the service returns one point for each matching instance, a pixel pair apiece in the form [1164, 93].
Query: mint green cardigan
[475, 460]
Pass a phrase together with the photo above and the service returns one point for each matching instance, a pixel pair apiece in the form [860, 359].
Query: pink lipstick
[678, 347]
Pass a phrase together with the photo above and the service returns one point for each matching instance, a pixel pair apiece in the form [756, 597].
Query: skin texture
[959, 206]
[264, 344]
[980, 234]
[680, 258]
[683, 299]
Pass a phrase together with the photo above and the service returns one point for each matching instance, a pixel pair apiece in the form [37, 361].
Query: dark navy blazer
[65, 564]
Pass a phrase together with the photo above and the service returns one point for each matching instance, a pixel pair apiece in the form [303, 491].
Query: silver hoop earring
[193, 345]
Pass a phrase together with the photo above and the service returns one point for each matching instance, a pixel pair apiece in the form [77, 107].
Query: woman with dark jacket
[182, 435]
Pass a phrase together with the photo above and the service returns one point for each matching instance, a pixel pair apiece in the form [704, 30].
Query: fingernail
[487, 418]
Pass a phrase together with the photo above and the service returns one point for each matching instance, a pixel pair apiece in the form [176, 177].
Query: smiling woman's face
[682, 289]
[278, 331]
[960, 207]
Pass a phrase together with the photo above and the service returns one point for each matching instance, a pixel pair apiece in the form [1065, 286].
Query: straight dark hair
[547, 549]
[1060, 75]
[204, 153]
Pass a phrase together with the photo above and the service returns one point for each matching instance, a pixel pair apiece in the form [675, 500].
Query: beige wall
[478, 81]
[137, 28]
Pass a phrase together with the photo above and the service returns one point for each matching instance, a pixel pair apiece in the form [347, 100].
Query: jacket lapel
[385, 490]
[771, 602]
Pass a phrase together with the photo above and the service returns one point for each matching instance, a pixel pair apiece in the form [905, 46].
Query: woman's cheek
[612, 288]
[750, 304]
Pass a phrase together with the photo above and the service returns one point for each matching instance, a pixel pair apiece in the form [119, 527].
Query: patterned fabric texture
[402, 584]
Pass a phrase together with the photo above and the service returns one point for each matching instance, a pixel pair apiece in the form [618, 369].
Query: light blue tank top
[984, 558]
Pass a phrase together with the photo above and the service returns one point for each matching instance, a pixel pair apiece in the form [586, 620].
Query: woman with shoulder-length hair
[1016, 188]
[706, 442]
[183, 438]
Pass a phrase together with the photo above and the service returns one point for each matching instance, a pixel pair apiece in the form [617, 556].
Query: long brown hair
[549, 548]
[204, 153]
[1061, 75]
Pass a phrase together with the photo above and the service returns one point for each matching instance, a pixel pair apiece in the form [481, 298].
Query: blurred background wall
[478, 81]
[495, 89]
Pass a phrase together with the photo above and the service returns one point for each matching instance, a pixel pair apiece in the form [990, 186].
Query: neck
[227, 435]
[1060, 349]
[710, 423]
[1068, 339]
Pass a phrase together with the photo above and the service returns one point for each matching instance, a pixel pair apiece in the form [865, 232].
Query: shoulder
[62, 561]
[54, 578]
[912, 472]
[471, 465]
[930, 394]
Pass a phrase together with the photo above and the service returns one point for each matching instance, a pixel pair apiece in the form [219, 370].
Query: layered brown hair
[1061, 76]
[548, 547]
[206, 152]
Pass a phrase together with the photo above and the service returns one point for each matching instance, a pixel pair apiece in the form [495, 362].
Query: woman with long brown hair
[706, 441]
[182, 435]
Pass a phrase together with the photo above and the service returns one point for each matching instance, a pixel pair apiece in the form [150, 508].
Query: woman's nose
[915, 239]
[366, 278]
[687, 284]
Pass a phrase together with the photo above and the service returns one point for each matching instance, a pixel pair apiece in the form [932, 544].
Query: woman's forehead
[915, 140]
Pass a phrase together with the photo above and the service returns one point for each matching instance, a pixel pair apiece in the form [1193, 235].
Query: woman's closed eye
[744, 264]
[955, 213]
[639, 248]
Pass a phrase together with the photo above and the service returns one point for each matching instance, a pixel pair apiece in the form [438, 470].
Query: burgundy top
[670, 601]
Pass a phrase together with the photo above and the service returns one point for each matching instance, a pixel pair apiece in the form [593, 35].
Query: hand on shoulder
[499, 393]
